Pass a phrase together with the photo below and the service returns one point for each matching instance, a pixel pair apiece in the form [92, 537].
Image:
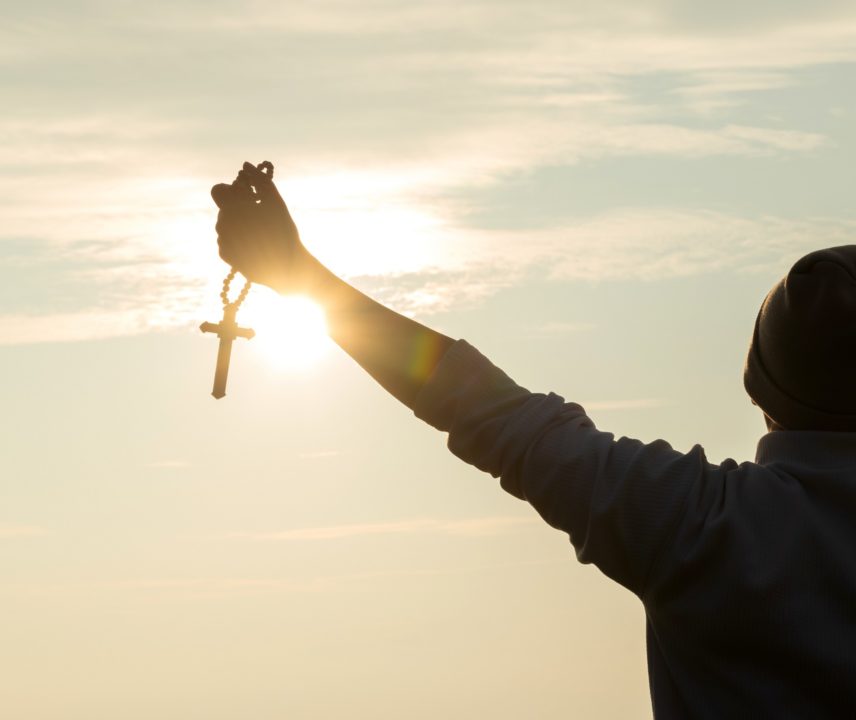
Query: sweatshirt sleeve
[618, 500]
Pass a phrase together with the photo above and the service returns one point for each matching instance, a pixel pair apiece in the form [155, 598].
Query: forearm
[398, 352]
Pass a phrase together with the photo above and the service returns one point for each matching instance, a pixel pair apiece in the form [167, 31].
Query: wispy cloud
[204, 586]
[319, 454]
[658, 243]
[633, 404]
[229, 585]
[463, 267]
[69, 327]
[708, 92]
[558, 329]
[112, 166]
[471, 527]
[9, 531]
[626, 243]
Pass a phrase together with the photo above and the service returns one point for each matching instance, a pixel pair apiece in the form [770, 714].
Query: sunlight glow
[372, 222]
[291, 331]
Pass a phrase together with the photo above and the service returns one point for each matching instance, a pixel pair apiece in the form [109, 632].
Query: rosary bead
[224, 296]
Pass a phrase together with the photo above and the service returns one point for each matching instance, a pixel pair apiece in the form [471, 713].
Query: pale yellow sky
[596, 197]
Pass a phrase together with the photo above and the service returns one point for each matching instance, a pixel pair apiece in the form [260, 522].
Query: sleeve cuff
[460, 368]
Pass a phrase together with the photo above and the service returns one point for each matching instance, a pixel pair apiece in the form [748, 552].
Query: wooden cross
[227, 330]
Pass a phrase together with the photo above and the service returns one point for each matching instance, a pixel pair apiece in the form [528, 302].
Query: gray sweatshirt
[747, 572]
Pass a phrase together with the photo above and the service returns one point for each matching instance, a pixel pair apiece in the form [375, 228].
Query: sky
[598, 197]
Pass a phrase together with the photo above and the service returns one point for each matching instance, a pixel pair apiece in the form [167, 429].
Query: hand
[255, 232]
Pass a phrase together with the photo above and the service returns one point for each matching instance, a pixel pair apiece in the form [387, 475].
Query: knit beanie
[801, 368]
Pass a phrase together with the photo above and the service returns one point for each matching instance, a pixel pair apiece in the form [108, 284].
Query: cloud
[9, 531]
[216, 586]
[559, 329]
[384, 118]
[319, 454]
[710, 91]
[625, 243]
[634, 44]
[462, 268]
[471, 527]
[478, 527]
[637, 404]
[69, 327]
[655, 243]
[203, 586]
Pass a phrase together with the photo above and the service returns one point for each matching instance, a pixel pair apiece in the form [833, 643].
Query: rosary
[227, 329]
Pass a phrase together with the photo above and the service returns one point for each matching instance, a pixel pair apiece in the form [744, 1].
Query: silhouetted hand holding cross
[257, 237]
[255, 232]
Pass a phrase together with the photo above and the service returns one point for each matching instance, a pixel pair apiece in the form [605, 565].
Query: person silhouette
[747, 572]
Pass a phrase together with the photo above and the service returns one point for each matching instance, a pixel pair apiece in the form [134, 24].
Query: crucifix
[227, 330]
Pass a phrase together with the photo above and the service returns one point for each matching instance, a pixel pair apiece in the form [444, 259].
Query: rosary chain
[224, 295]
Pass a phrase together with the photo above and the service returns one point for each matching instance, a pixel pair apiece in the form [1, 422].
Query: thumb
[225, 195]
[221, 194]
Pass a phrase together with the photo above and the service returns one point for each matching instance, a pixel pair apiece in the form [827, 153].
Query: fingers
[230, 238]
[261, 181]
[224, 229]
[240, 248]
[221, 194]
[251, 185]
[238, 193]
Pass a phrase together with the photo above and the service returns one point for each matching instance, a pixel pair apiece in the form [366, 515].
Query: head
[801, 367]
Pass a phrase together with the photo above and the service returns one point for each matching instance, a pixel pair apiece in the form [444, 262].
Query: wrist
[301, 274]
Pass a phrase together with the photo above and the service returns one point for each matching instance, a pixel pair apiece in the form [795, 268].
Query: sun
[291, 330]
